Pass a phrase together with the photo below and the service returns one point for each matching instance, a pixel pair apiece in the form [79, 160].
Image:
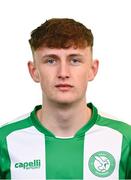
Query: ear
[93, 69]
[33, 71]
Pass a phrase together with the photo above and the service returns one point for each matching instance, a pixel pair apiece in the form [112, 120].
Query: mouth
[64, 87]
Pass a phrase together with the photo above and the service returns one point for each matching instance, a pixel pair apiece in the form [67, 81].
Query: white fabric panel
[108, 140]
[27, 148]
[22, 117]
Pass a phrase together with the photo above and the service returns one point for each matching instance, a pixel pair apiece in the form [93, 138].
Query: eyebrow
[50, 55]
[56, 56]
[72, 55]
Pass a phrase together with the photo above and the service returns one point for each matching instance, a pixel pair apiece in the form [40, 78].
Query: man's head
[63, 64]
[61, 33]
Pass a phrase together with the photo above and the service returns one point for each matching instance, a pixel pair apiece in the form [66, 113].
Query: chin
[64, 99]
[65, 102]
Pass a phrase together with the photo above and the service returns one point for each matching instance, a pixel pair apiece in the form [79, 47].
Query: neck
[64, 120]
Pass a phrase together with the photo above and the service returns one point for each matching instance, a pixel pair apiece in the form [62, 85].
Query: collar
[79, 133]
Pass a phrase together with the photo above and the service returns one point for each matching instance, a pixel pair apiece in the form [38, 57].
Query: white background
[110, 21]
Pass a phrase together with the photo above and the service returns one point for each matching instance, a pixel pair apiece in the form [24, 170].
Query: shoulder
[116, 125]
[19, 123]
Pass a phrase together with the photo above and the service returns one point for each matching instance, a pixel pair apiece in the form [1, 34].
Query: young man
[65, 138]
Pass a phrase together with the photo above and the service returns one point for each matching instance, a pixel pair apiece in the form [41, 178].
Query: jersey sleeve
[129, 165]
[3, 163]
[1, 174]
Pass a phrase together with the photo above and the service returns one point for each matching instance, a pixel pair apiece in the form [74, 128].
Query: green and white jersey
[101, 149]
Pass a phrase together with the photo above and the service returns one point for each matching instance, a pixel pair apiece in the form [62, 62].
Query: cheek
[83, 76]
[46, 80]
[84, 83]
[82, 80]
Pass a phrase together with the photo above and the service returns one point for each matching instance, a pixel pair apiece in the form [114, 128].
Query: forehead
[45, 51]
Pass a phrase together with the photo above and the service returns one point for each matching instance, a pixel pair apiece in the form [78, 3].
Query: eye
[51, 61]
[75, 61]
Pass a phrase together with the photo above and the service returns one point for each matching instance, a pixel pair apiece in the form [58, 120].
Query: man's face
[63, 73]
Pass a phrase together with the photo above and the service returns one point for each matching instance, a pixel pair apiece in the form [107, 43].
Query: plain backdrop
[110, 21]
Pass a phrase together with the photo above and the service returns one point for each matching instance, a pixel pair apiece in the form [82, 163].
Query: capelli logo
[35, 164]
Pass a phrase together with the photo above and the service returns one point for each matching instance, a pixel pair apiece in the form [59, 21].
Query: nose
[63, 71]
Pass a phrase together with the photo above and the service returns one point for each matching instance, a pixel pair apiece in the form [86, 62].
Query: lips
[64, 87]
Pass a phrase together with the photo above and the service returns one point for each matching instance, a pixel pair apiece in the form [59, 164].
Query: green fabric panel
[120, 126]
[64, 158]
[4, 156]
[128, 173]
[124, 166]
[11, 127]
[125, 130]
[4, 162]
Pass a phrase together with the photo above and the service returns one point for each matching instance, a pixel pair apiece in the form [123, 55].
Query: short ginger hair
[61, 33]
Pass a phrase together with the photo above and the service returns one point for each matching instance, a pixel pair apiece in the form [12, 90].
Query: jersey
[101, 149]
